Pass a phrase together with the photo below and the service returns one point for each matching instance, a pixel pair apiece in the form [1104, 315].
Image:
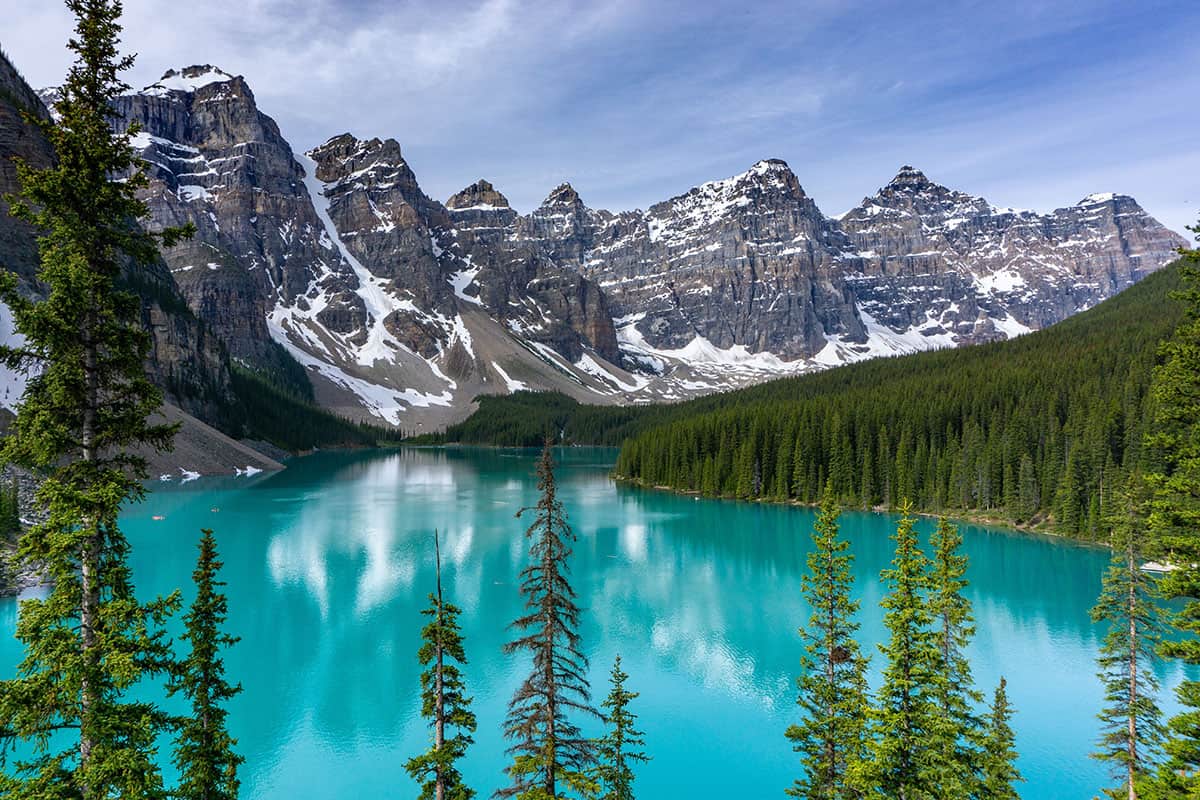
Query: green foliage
[1174, 517]
[959, 734]
[620, 747]
[999, 774]
[204, 750]
[85, 410]
[1030, 430]
[10, 512]
[833, 686]
[906, 719]
[549, 751]
[268, 408]
[527, 419]
[444, 702]
[1133, 728]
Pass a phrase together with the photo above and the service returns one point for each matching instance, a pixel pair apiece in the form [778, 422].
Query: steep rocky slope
[947, 263]
[214, 160]
[186, 359]
[404, 309]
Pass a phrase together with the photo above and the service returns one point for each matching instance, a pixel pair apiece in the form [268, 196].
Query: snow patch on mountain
[188, 79]
[461, 280]
[509, 383]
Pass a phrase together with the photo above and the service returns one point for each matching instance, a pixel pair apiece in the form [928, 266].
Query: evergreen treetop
[833, 686]
[906, 717]
[621, 746]
[550, 753]
[959, 728]
[204, 750]
[999, 775]
[444, 701]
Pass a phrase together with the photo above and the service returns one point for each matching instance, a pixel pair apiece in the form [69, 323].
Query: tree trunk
[1133, 670]
[89, 557]
[548, 569]
[439, 725]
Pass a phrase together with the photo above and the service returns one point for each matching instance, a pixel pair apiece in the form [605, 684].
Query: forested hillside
[1036, 430]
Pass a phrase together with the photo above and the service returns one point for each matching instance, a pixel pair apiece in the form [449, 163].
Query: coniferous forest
[1040, 430]
[1092, 428]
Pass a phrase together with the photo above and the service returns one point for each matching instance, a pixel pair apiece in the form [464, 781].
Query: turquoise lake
[330, 562]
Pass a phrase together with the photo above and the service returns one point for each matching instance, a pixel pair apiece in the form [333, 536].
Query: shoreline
[960, 516]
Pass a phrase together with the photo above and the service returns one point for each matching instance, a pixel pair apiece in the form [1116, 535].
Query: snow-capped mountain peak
[405, 309]
[909, 177]
[188, 79]
[562, 195]
[480, 196]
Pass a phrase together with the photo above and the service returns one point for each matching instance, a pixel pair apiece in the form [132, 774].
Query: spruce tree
[833, 686]
[204, 750]
[621, 746]
[999, 772]
[1133, 728]
[444, 702]
[958, 727]
[1174, 440]
[906, 717]
[550, 753]
[85, 409]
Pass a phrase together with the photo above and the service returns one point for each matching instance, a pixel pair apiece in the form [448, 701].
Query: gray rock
[376, 286]
[186, 360]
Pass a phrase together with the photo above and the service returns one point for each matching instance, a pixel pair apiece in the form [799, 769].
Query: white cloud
[1031, 105]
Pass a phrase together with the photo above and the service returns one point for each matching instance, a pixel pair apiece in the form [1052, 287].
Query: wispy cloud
[1028, 103]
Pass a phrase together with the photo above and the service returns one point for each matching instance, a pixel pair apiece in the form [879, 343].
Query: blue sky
[1030, 104]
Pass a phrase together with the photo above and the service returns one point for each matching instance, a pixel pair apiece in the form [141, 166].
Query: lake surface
[330, 562]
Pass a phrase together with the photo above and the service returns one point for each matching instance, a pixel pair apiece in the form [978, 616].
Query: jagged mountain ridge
[185, 359]
[404, 308]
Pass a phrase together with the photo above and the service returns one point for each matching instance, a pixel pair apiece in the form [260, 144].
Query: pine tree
[999, 767]
[85, 409]
[958, 728]
[906, 717]
[833, 687]
[1175, 516]
[1133, 729]
[204, 750]
[444, 702]
[620, 747]
[550, 753]
[1028, 500]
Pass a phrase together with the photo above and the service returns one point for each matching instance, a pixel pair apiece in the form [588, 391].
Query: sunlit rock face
[185, 358]
[403, 308]
[951, 263]
[216, 161]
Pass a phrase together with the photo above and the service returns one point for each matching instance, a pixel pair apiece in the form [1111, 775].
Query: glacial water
[330, 562]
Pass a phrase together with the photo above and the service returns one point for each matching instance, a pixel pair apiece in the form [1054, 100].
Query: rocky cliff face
[214, 160]
[18, 140]
[404, 309]
[951, 264]
[746, 277]
[748, 262]
[186, 360]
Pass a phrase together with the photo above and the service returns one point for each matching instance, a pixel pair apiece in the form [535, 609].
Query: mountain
[217, 162]
[950, 264]
[334, 273]
[259, 392]
[186, 360]
[1032, 431]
